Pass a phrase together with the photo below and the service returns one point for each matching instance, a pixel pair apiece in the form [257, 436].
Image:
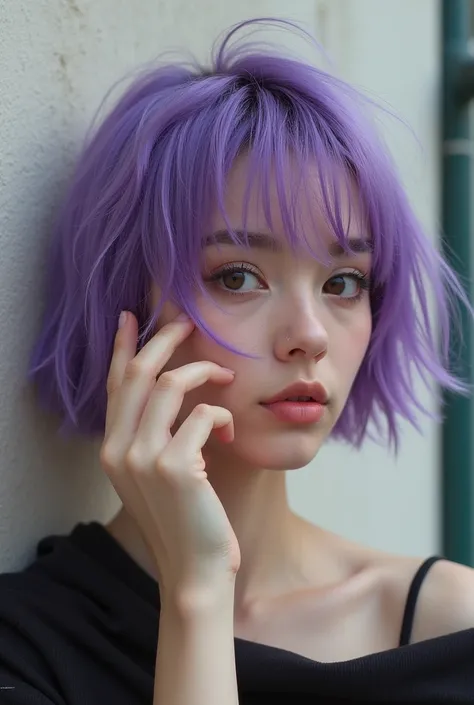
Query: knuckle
[108, 457]
[113, 384]
[169, 380]
[167, 469]
[134, 459]
[202, 411]
[163, 466]
[136, 368]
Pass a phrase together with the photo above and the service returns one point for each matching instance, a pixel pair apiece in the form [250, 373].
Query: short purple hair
[140, 200]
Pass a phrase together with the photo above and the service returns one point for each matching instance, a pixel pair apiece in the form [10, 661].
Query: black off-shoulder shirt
[79, 626]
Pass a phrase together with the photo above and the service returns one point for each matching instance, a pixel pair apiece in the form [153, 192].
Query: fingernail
[122, 319]
[232, 372]
[182, 317]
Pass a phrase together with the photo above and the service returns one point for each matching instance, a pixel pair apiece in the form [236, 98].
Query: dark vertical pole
[458, 426]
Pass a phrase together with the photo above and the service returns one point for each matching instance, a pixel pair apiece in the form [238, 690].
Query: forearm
[195, 663]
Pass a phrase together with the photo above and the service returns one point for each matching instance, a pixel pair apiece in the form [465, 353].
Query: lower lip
[296, 411]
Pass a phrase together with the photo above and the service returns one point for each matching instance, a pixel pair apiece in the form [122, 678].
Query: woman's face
[302, 320]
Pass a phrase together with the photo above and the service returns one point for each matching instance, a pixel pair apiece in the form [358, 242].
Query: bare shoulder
[445, 602]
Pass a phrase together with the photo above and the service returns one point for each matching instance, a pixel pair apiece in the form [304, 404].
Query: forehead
[274, 201]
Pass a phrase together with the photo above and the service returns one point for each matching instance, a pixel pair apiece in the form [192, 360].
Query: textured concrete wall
[57, 59]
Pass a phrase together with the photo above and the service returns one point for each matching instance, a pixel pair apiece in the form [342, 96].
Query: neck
[274, 542]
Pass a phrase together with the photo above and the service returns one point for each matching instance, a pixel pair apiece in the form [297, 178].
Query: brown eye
[233, 280]
[345, 286]
[335, 286]
[237, 279]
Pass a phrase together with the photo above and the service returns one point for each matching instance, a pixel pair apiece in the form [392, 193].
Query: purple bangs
[139, 205]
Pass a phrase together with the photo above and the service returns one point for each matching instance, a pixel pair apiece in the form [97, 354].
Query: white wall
[57, 59]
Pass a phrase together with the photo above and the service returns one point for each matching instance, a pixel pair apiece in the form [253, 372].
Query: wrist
[190, 602]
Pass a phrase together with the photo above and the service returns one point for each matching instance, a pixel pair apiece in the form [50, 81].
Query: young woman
[272, 280]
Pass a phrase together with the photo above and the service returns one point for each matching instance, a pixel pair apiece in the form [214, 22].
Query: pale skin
[200, 467]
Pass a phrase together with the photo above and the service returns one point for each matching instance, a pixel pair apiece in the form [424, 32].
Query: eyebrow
[265, 241]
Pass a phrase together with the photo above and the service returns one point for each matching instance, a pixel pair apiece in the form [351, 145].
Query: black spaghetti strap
[413, 592]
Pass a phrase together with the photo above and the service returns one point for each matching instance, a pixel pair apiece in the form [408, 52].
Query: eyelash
[362, 279]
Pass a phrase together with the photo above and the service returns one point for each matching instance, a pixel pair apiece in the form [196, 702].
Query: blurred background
[57, 60]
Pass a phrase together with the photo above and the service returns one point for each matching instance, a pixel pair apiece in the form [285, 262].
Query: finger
[132, 375]
[184, 450]
[125, 347]
[166, 399]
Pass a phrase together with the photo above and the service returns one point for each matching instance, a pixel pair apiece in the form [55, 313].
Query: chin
[290, 451]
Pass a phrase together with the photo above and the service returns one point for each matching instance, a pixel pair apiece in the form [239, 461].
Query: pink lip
[301, 412]
[301, 389]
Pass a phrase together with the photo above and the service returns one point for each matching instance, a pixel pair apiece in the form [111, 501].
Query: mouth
[302, 392]
[297, 411]
[301, 403]
[301, 399]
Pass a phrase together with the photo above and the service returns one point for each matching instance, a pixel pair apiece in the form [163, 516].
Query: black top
[79, 627]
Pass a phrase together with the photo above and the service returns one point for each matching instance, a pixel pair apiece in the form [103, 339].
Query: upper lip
[301, 389]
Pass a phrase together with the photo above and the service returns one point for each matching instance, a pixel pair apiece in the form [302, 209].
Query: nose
[303, 335]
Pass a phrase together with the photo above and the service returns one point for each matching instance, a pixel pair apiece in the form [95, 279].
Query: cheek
[237, 330]
[361, 340]
[199, 346]
[353, 341]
